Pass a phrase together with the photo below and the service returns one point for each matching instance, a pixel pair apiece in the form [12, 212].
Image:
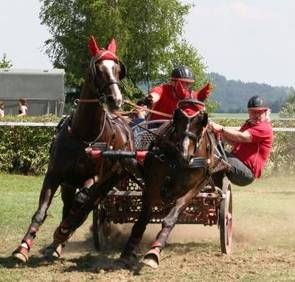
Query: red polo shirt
[255, 154]
[167, 102]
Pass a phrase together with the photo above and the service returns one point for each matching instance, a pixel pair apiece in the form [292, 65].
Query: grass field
[263, 250]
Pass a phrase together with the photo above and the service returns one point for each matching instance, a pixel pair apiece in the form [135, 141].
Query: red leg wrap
[28, 242]
[156, 244]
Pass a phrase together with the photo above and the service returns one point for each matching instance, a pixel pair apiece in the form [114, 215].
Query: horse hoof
[152, 258]
[53, 252]
[128, 260]
[21, 254]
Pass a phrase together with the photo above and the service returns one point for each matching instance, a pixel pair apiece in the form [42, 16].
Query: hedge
[25, 149]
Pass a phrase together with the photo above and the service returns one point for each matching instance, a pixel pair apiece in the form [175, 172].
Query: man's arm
[231, 135]
[151, 99]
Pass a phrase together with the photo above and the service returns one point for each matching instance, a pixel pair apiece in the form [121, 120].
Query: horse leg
[152, 257]
[83, 204]
[67, 196]
[49, 187]
[137, 231]
[70, 199]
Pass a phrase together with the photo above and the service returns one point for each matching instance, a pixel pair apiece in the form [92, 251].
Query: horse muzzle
[115, 100]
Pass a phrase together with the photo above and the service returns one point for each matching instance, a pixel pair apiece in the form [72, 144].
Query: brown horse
[69, 165]
[178, 165]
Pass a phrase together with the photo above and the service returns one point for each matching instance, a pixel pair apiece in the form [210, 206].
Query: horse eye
[99, 68]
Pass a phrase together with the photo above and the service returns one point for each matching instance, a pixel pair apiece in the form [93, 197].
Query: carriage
[212, 205]
[71, 167]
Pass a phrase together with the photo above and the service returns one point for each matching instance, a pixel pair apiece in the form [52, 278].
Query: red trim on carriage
[140, 156]
[93, 153]
[96, 153]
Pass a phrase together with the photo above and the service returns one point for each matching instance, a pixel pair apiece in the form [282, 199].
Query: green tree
[5, 63]
[148, 33]
[288, 109]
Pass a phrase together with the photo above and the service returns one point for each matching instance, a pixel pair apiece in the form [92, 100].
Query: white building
[43, 90]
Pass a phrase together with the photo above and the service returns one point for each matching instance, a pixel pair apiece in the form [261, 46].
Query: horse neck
[89, 117]
[165, 135]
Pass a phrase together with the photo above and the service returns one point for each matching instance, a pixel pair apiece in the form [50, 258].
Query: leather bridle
[101, 88]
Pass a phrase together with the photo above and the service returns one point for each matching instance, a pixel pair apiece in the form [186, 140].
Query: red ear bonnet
[112, 46]
[100, 53]
[190, 107]
[203, 93]
[92, 46]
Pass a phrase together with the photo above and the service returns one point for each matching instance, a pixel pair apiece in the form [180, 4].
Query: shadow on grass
[110, 245]
[107, 261]
[183, 248]
[11, 262]
[103, 263]
[85, 263]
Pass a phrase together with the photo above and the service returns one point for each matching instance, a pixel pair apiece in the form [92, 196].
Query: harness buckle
[198, 162]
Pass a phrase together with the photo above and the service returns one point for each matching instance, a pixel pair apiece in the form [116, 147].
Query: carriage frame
[212, 206]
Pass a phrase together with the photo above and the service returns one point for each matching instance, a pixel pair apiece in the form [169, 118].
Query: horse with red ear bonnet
[84, 180]
[177, 166]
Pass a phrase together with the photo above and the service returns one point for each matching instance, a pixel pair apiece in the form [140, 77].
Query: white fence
[32, 124]
[53, 124]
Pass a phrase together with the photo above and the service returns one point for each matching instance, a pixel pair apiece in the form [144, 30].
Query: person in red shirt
[252, 144]
[165, 97]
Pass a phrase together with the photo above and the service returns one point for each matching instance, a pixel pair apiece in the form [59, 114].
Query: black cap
[257, 103]
[183, 73]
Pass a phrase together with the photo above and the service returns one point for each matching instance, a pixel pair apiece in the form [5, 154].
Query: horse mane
[163, 134]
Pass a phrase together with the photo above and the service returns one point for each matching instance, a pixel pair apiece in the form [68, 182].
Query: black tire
[226, 218]
[100, 229]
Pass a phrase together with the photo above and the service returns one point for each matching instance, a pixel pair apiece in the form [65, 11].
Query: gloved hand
[148, 101]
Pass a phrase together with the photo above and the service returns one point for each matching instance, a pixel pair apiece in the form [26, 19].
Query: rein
[147, 110]
[128, 102]
[101, 131]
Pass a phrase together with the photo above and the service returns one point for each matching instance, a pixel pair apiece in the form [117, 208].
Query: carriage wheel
[100, 228]
[225, 220]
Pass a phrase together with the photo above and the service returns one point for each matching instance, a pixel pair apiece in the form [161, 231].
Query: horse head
[105, 72]
[186, 167]
[189, 122]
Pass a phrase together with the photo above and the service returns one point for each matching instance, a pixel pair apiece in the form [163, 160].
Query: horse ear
[205, 119]
[177, 114]
[123, 70]
[93, 46]
[112, 46]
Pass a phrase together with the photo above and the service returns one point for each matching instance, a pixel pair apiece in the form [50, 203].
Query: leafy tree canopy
[148, 34]
[288, 108]
[5, 63]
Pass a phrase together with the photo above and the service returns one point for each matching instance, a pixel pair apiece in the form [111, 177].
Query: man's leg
[239, 173]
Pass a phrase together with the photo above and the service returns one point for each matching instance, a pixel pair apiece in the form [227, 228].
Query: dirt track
[192, 255]
[263, 247]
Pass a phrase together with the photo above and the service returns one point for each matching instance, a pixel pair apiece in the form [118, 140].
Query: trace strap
[77, 101]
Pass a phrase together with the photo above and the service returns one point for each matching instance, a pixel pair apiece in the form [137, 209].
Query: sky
[247, 40]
